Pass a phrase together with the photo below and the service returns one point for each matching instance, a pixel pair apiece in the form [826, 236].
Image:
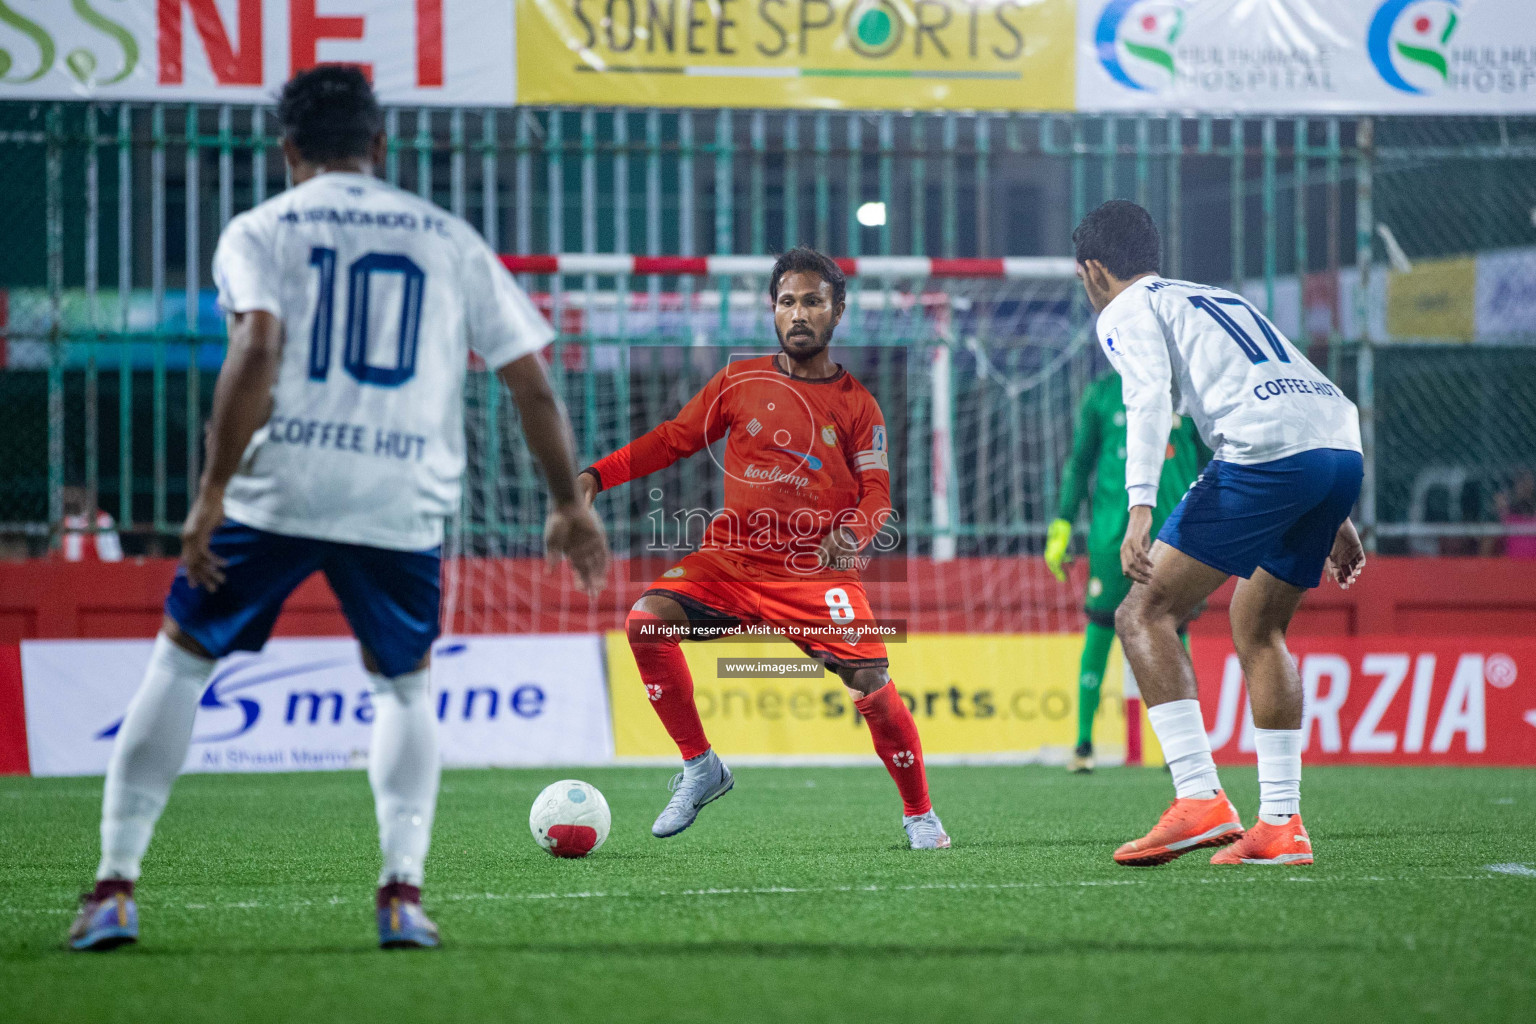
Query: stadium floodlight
[872, 215]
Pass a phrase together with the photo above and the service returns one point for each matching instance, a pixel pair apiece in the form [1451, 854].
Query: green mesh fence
[111, 339]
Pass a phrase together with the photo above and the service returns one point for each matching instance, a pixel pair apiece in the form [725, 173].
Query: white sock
[1181, 732]
[403, 768]
[702, 766]
[1279, 753]
[150, 748]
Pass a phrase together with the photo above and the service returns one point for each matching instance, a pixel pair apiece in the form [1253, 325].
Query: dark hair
[330, 113]
[804, 258]
[1121, 236]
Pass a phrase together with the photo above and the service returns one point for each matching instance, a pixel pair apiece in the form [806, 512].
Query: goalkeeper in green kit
[1098, 449]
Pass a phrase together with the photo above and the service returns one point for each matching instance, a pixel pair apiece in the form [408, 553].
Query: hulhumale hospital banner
[1307, 56]
[1219, 56]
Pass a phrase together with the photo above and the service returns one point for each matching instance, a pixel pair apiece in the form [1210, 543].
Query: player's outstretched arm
[573, 530]
[1347, 557]
[242, 401]
[698, 424]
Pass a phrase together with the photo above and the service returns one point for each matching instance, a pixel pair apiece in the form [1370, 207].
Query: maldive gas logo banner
[1275, 56]
[241, 51]
[862, 54]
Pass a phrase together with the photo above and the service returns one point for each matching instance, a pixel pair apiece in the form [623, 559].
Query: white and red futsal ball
[570, 818]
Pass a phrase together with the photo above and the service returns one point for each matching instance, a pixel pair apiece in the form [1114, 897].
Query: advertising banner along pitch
[1344, 56]
[988, 695]
[1388, 700]
[870, 54]
[303, 705]
[242, 51]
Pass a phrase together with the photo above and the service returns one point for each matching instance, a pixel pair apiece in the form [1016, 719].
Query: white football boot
[692, 788]
[925, 831]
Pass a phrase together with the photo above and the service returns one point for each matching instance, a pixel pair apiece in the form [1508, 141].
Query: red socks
[669, 685]
[896, 741]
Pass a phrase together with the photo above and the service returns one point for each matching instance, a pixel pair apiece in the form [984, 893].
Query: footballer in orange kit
[807, 489]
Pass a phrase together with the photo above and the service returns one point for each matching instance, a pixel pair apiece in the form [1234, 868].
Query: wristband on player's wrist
[597, 477]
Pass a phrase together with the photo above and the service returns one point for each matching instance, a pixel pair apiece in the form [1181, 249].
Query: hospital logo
[1134, 41]
[1409, 43]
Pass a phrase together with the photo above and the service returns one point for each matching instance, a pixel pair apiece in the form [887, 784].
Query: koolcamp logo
[1135, 41]
[1409, 40]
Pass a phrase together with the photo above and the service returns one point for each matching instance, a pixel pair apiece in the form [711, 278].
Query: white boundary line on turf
[1491, 872]
[1518, 870]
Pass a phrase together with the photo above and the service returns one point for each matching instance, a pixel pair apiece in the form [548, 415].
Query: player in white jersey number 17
[336, 445]
[1272, 507]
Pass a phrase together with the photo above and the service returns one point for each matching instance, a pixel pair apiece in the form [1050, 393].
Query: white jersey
[382, 296]
[1206, 353]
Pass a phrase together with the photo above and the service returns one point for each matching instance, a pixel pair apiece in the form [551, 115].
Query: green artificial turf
[792, 899]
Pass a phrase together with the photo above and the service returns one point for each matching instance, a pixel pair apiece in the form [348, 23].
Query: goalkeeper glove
[1056, 540]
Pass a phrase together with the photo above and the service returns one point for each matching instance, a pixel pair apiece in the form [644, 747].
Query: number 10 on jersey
[355, 351]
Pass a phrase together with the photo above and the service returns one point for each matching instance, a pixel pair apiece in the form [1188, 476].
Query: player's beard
[802, 349]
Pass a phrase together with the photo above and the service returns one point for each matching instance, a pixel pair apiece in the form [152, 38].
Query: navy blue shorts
[390, 598]
[1277, 516]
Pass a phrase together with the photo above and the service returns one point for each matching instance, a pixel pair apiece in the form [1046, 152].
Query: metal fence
[110, 336]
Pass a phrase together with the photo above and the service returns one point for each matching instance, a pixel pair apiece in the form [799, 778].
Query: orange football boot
[1186, 825]
[1270, 844]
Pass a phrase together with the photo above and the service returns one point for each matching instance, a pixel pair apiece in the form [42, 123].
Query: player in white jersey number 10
[1271, 507]
[336, 445]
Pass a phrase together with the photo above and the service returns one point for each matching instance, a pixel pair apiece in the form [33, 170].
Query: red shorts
[819, 614]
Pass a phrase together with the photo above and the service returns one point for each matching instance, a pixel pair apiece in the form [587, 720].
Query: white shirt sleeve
[1137, 348]
[245, 268]
[504, 324]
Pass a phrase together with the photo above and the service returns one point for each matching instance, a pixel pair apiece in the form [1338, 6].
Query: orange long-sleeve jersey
[801, 457]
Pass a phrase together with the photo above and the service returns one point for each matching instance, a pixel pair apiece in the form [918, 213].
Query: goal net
[977, 365]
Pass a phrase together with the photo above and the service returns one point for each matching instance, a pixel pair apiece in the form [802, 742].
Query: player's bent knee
[1146, 608]
[643, 624]
[864, 681]
[1255, 641]
[1131, 616]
